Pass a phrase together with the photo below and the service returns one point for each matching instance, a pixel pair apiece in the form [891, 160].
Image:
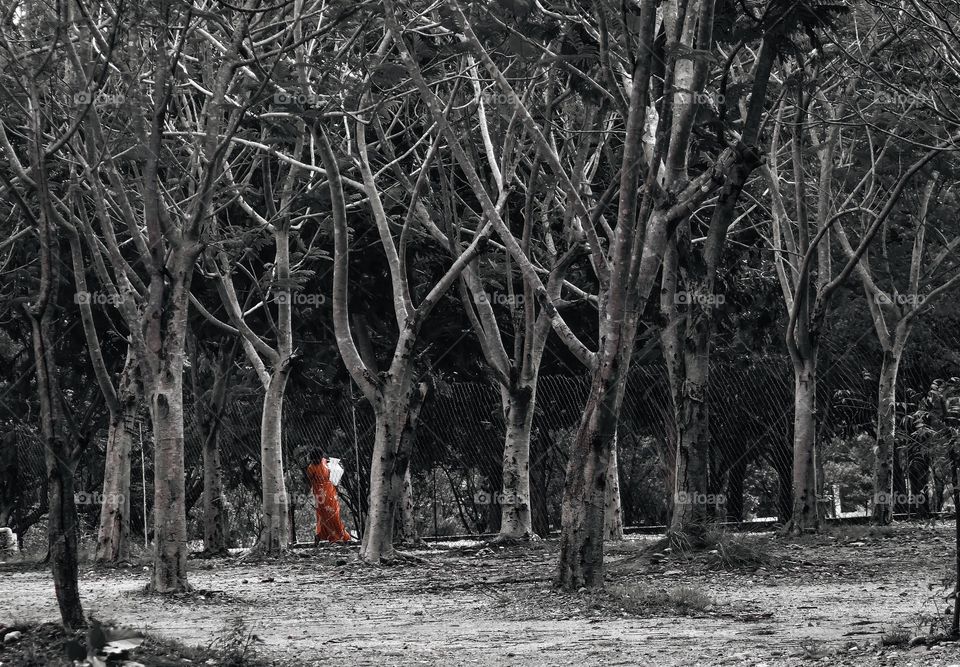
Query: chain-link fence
[456, 466]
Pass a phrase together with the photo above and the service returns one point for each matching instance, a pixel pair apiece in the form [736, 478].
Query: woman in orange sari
[330, 527]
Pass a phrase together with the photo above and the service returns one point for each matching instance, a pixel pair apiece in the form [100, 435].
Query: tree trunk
[886, 440]
[899, 483]
[169, 502]
[62, 529]
[114, 533]
[918, 468]
[408, 523]
[396, 414]
[612, 514]
[62, 535]
[378, 536]
[538, 487]
[516, 520]
[161, 369]
[275, 534]
[735, 477]
[954, 474]
[210, 415]
[59, 457]
[584, 495]
[215, 540]
[292, 520]
[805, 512]
[691, 503]
[403, 484]
[783, 465]
[939, 487]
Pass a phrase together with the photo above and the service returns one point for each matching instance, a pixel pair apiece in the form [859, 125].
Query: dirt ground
[824, 600]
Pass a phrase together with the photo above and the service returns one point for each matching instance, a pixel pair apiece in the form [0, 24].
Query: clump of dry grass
[719, 549]
[895, 636]
[732, 551]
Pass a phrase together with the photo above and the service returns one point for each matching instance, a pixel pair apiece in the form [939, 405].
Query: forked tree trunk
[516, 520]
[114, 532]
[275, 534]
[694, 506]
[59, 457]
[612, 514]
[169, 501]
[885, 448]
[805, 511]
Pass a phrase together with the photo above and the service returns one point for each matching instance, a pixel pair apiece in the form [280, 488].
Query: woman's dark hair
[317, 454]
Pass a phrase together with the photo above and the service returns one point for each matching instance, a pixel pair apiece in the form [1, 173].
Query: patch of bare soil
[829, 599]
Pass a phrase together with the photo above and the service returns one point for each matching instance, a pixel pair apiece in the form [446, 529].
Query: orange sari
[329, 525]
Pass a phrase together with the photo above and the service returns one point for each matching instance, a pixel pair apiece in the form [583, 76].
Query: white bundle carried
[8, 542]
[336, 471]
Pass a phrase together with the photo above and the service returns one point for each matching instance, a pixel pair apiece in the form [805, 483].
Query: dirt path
[829, 600]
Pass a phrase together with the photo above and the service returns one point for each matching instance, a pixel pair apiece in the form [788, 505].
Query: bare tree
[165, 217]
[626, 263]
[484, 290]
[275, 534]
[210, 409]
[394, 393]
[932, 274]
[804, 264]
[27, 180]
[929, 59]
[122, 402]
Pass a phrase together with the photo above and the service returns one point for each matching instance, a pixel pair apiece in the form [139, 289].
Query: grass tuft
[895, 636]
